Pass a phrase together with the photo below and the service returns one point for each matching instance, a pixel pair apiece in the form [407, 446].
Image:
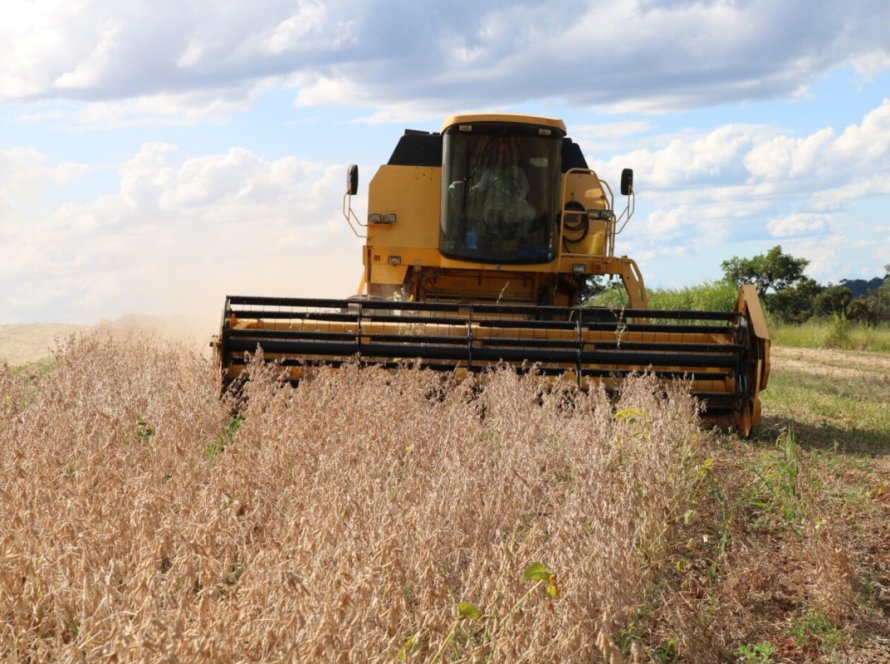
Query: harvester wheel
[745, 419]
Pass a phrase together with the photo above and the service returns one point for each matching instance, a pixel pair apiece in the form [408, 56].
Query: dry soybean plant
[363, 516]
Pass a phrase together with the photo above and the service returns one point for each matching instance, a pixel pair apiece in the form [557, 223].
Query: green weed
[668, 652]
[757, 653]
[144, 431]
[814, 627]
[225, 438]
[838, 333]
[536, 574]
[777, 490]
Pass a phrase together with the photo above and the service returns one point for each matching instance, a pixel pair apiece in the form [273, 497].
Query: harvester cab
[494, 208]
[480, 242]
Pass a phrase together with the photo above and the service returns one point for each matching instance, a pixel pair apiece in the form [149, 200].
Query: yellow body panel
[411, 193]
[412, 196]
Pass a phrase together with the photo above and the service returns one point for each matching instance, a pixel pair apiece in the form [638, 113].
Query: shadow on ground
[824, 436]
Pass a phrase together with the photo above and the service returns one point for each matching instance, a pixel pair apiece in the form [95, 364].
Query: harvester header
[480, 242]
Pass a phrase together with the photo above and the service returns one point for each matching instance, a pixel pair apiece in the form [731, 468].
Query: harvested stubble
[344, 520]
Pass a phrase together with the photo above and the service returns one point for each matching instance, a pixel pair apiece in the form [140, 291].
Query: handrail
[349, 215]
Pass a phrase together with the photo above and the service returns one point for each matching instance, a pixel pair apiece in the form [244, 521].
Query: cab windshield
[500, 190]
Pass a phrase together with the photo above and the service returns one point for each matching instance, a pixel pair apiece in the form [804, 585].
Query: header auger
[479, 244]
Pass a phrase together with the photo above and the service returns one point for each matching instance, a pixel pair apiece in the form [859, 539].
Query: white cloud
[850, 187]
[309, 28]
[165, 109]
[823, 156]
[787, 157]
[317, 90]
[869, 65]
[91, 70]
[869, 140]
[748, 183]
[608, 137]
[24, 174]
[660, 252]
[797, 224]
[653, 56]
[830, 258]
[664, 225]
[714, 157]
[177, 235]
[402, 115]
[858, 156]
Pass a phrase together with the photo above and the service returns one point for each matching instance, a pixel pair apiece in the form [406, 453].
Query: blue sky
[155, 156]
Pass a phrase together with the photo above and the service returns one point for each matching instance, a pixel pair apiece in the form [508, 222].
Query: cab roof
[517, 118]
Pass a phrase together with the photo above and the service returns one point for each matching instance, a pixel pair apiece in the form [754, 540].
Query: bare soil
[854, 495]
[822, 361]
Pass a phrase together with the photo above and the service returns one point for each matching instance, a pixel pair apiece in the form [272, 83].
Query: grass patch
[813, 628]
[838, 333]
[776, 490]
[755, 653]
[780, 563]
[833, 408]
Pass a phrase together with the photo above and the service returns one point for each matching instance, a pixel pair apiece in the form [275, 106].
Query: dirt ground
[859, 497]
[847, 364]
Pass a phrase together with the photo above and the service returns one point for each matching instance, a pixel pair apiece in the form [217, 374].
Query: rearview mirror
[627, 182]
[352, 179]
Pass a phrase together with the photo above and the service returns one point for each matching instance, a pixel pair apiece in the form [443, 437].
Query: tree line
[792, 297]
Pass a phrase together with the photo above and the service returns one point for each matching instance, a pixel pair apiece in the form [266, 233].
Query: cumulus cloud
[797, 224]
[750, 183]
[24, 174]
[834, 256]
[177, 236]
[622, 56]
[822, 156]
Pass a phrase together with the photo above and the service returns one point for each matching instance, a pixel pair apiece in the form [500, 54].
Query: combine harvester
[479, 243]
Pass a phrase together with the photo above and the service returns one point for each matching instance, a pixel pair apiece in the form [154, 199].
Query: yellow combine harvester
[479, 243]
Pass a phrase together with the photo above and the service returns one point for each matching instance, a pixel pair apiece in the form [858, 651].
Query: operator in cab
[501, 193]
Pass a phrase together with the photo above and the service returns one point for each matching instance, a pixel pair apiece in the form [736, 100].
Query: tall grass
[837, 333]
[711, 296]
[364, 516]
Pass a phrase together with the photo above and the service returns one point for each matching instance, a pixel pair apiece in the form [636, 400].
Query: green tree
[795, 304]
[874, 308]
[769, 272]
[832, 301]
